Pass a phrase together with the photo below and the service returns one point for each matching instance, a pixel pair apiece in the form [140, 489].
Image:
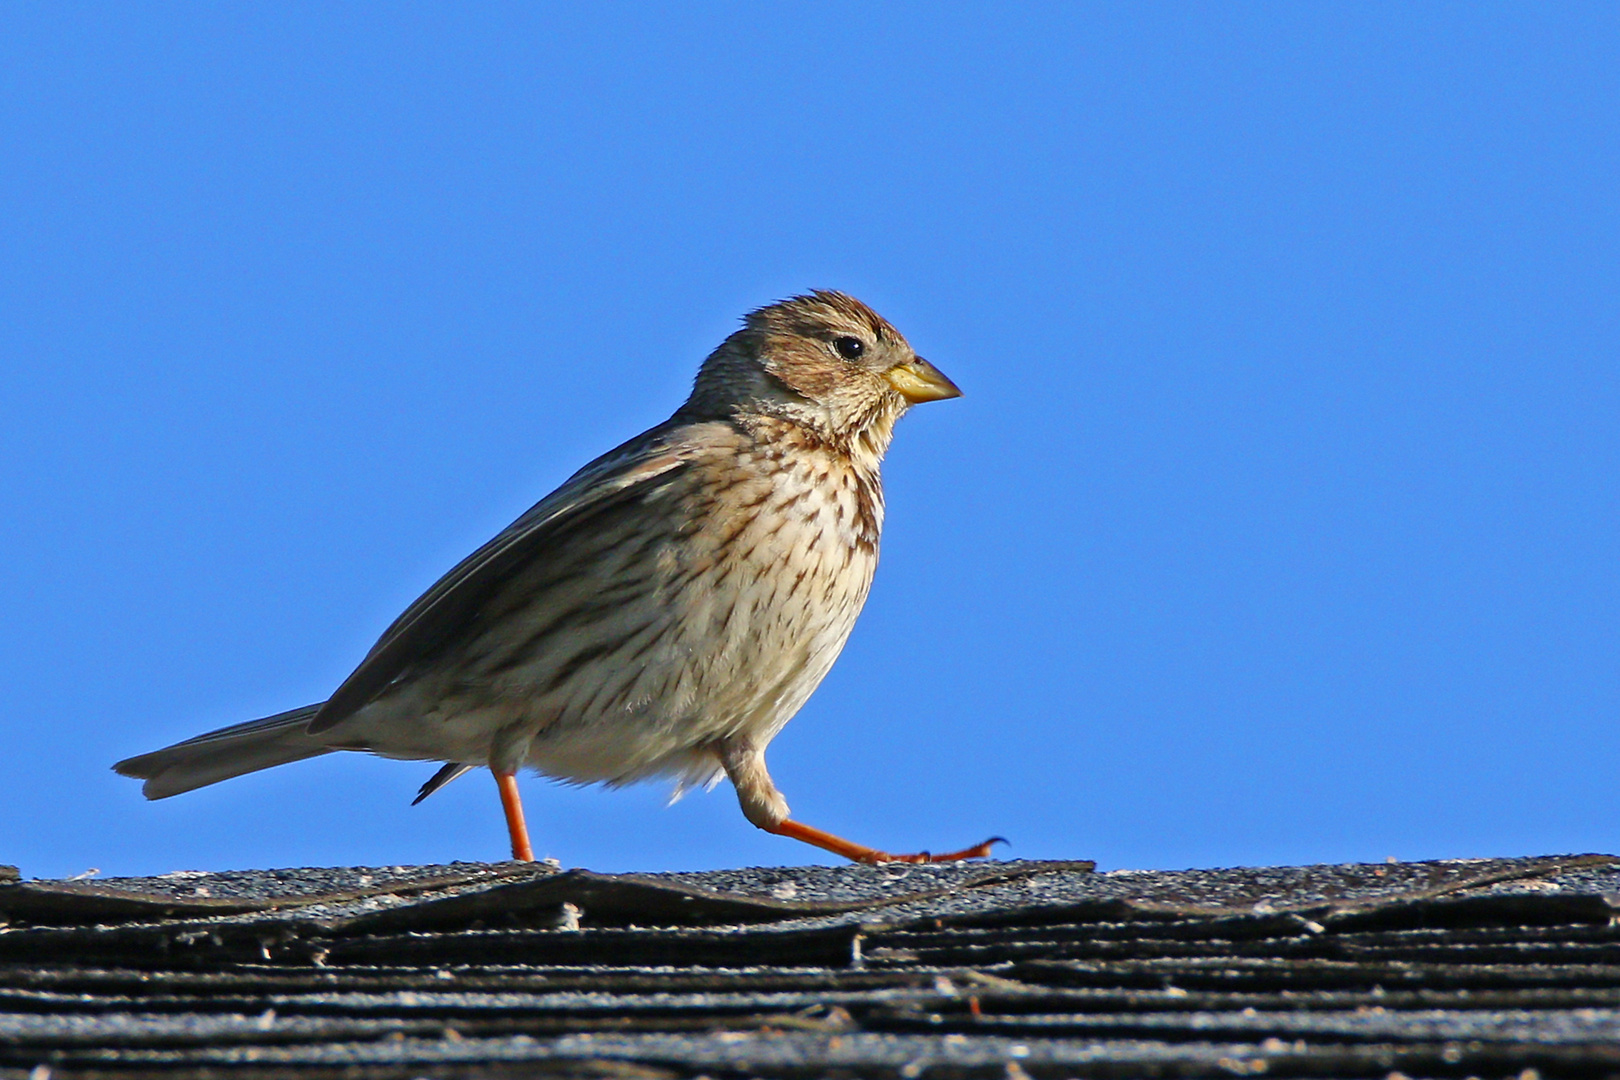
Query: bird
[662, 614]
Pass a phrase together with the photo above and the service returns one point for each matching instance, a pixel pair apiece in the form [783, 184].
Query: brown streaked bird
[662, 614]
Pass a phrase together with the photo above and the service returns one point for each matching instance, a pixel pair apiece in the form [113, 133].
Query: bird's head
[825, 362]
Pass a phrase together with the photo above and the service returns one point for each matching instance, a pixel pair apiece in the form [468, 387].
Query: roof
[1003, 969]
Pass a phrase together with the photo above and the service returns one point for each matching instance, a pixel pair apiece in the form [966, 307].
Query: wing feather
[618, 475]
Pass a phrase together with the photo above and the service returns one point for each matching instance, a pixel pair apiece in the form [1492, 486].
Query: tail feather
[220, 755]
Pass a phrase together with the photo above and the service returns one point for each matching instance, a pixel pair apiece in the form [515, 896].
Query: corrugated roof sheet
[1456, 968]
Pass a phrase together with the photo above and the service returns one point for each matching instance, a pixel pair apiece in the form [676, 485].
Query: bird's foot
[863, 854]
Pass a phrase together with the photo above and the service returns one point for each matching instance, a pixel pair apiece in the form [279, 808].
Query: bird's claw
[862, 854]
[977, 851]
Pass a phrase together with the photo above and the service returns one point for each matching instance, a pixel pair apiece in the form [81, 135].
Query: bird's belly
[734, 629]
[736, 651]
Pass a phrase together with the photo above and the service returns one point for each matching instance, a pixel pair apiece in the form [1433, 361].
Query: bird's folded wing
[619, 474]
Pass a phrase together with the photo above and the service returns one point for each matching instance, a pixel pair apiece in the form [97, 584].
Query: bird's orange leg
[507, 782]
[763, 805]
[860, 853]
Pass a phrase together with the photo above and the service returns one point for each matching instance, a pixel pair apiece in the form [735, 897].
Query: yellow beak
[919, 381]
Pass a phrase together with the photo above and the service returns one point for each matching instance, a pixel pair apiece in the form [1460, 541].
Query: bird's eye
[850, 348]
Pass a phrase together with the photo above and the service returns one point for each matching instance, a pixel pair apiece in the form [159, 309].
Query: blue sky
[1278, 522]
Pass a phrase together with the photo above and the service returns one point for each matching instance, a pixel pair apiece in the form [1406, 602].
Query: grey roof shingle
[1465, 967]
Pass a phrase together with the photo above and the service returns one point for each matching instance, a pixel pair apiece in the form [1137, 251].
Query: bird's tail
[220, 755]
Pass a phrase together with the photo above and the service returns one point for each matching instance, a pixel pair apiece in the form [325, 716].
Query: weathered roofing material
[1456, 968]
